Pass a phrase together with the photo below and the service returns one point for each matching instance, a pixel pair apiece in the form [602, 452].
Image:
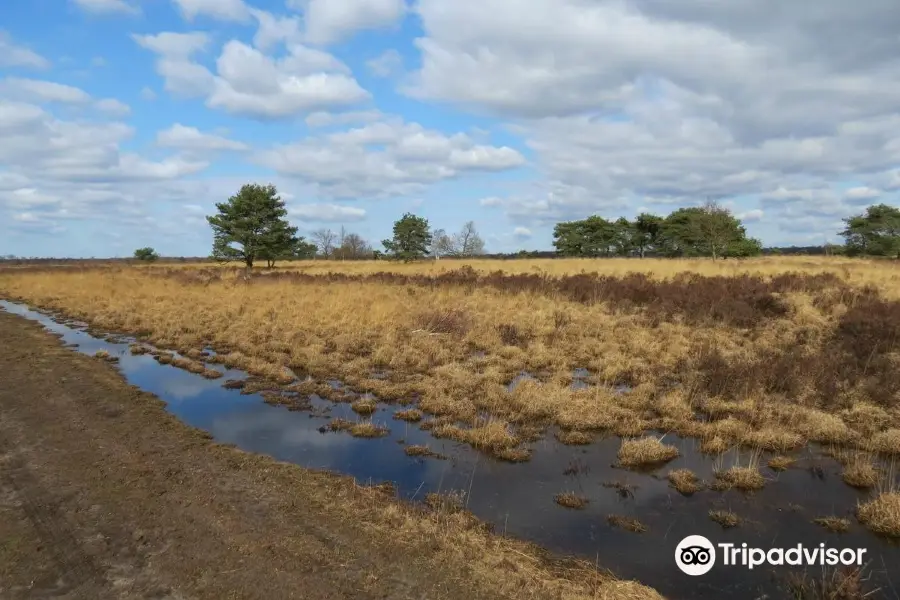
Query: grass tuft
[685, 481]
[881, 514]
[725, 518]
[781, 463]
[571, 500]
[645, 451]
[833, 524]
[627, 523]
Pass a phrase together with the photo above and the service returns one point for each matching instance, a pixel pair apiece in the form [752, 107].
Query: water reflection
[519, 498]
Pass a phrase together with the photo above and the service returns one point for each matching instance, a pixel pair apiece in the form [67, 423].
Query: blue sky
[125, 121]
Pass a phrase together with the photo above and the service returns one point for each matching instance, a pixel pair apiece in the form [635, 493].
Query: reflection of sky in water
[518, 498]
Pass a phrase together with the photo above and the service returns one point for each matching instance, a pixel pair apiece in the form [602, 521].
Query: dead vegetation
[768, 354]
[882, 514]
[833, 584]
[423, 451]
[726, 518]
[645, 452]
[685, 481]
[627, 523]
[571, 500]
[833, 524]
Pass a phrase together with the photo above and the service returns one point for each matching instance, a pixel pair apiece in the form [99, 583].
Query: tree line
[252, 227]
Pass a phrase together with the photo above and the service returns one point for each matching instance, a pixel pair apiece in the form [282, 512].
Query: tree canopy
[252, 225]
[875, 232]
[709, 230]
[147, 254]
[411, 240]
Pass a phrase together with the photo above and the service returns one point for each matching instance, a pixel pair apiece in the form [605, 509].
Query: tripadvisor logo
[696, 555]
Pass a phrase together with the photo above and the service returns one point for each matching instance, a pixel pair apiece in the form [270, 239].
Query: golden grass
[423, 451]
[574, 438]
[364, 406]
[367, 429]
[781, 463]
[685, 481]
[859, 472]
[410, 416]
[571, 500]
[645, 451]
[833, 524]
[725, 518]
[627, 523]
[742, 478]
[882, 514]
[454, 348]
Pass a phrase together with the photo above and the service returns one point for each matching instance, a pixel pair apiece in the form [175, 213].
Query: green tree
[744, 248]
[874, 233]
[411, 240]
[252, 225]
[148, 254]
[624, 236]
[646, 232]
[701, 231]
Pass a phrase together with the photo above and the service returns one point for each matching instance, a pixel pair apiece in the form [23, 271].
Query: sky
[123, 122]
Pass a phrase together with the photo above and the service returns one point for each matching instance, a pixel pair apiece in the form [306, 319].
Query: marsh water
[518, 499]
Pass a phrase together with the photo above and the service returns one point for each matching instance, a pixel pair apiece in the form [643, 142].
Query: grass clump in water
[627, 523]
[881, 514]
[571, 500]
[645, 451]
[725, 518]
[833, 524]
[781, 463]
[685, 481]
[423, 451]
[574, 438]
[742, 478]
[860, 473]
[364, 406]
[412, 415]
[368, 429]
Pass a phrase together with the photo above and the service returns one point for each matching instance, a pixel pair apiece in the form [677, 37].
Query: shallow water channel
[518, 499]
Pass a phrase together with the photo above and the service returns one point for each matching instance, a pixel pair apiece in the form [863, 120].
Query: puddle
[518, 499]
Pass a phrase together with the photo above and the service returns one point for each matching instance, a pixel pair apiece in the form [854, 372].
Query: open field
[771, 360]
[105, 495]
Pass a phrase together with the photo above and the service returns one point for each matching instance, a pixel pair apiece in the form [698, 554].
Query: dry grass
[410, 416]
[834, 584]
[882, 514]
[364, 406]
[742, 478]
[627, 523]
[574, 438]
[725, 518]
[645, 452]
[423, 451]
[685, 481]
[781, 463]
[774, 351]
[859, 472]
[367, 429]
[833, 524]
[571, 500]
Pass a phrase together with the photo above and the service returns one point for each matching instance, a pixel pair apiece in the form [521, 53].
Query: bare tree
[468, 242]
[354, 247]
[324, 240]
[342, 235]
[442, 244]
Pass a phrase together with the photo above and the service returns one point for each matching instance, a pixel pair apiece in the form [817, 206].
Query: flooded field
[520, 499]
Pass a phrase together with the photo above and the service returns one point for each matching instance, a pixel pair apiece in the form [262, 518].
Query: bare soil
[103, 494]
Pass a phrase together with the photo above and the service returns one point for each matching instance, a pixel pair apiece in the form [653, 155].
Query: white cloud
[222, 10]
[98, 62]
[326, 119]
[42, 91]
[107, 6]
[522, 233]
[327, 213]
[250, 83]
[329, 21]
[862, 194]
[385, 158]
[751, 216]
[190, 138]
[690, 99]
[147, 94]
[13, 55]
[386, 64]
[491, 201]
[113, 107]
[273, 30]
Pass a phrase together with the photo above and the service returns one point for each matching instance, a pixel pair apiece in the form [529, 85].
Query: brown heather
[764, 353]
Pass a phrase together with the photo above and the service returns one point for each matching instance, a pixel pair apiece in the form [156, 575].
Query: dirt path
[105, 495]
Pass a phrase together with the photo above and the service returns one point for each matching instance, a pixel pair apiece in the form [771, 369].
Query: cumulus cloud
[386, 64]
[107, 6]
[522, 233]
[861, 195]
[326, 119]
[190, 138]
[329, 21]
[327, 213]
[42, 91]
[14, 55]
[386, 158]
[222, 10]
[113, 107]
[751, 216]
[689, 99]
[251, 83]
[272, 30]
